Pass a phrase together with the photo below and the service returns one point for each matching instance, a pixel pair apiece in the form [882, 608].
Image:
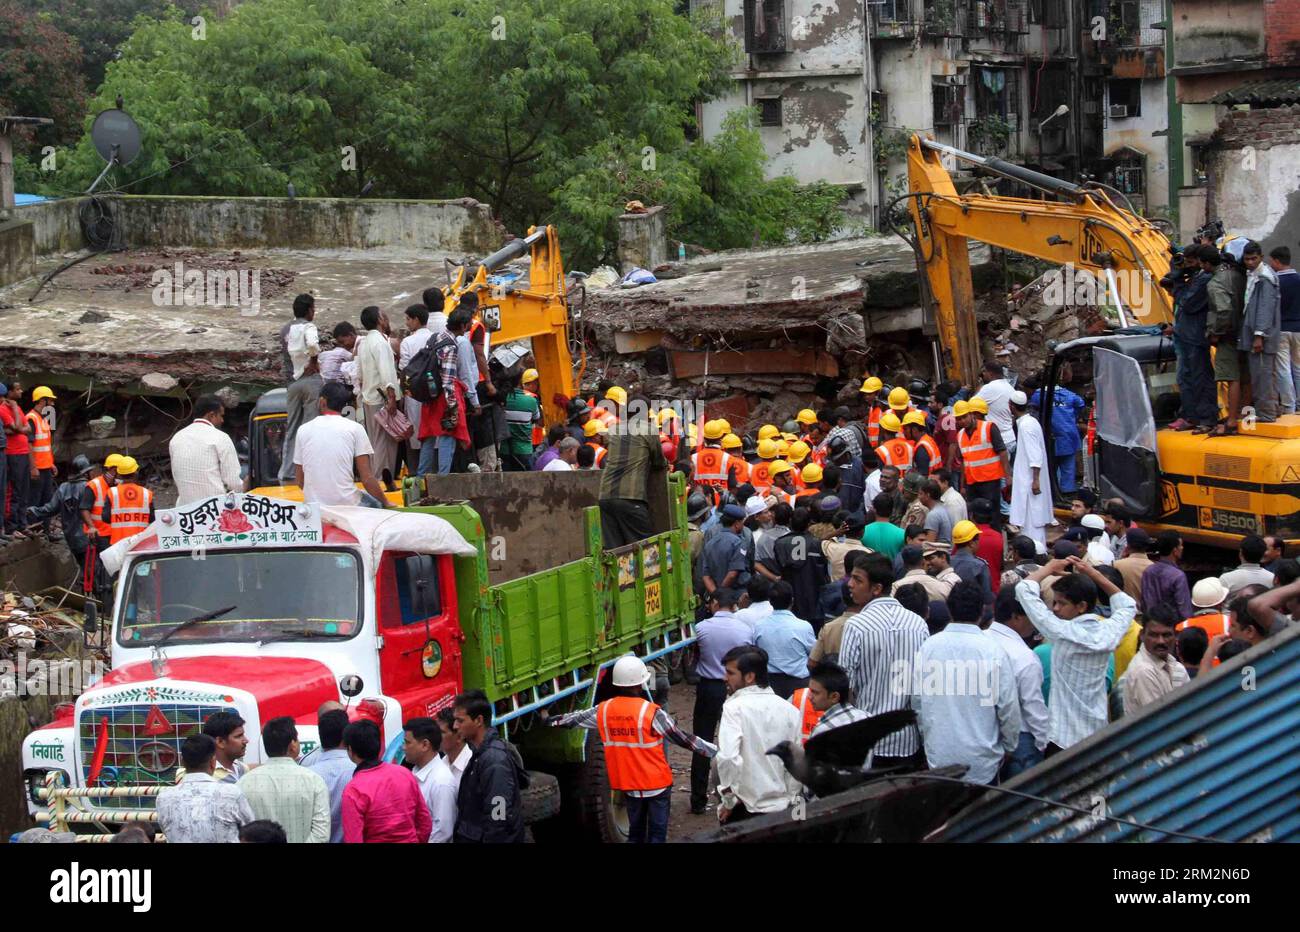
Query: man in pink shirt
[382, 802]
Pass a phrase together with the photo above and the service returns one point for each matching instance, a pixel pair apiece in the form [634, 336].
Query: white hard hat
[756, 505]
[630, 671]
[1208, 593]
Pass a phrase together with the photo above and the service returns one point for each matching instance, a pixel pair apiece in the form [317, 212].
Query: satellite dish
[116, 136]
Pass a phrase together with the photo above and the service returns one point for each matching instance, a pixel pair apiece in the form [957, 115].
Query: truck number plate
[1216, 519]
[653, 602]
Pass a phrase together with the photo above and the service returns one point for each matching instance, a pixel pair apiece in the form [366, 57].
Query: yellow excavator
[1213, 490]
[531, 306]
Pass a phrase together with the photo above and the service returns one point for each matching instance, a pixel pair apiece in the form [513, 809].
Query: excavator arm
[533, 307]
[1085, 229]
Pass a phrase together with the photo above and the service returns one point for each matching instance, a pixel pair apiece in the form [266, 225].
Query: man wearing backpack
[432, 374]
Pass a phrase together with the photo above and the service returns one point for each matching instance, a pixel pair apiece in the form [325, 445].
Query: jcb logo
[1168, 498]
[1206, 517]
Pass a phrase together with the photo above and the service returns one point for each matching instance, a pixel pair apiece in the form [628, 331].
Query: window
[769, 111]
[765, 26]
[1125, 98]
[417, 588]
[949, 104]
[892, 11]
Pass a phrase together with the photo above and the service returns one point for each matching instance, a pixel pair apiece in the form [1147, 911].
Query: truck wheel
[541, 799]
[602, 811]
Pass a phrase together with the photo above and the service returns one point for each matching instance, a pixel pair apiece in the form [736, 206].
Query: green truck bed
[536, 635]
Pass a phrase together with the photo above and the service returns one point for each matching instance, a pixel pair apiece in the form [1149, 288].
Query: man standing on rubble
[377, 373]
[634, 456]
[42, 451]
[66, 504]
[17, 459]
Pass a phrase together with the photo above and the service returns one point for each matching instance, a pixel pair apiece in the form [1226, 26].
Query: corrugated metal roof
[1219, 758]
[1277, 91]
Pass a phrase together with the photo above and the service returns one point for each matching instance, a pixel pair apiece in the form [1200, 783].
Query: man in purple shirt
[1163, 583]
[713, 638]
[553, 438]
[383, 802]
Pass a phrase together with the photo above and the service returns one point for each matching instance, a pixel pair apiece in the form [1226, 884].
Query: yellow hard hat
[890, 422]
[812, 473]
[713, 430]
[731, 442]
[768, 432]
[978, 404]
[767, 449]
[914, 417]
[113, 460]
[964, 532]
[593, 427]
[798, 452]
[617, 395]
[871, 384]
[127, 466]
[42, 391]
[667, 414]
[789, 438]
[692, 432]
[806, 417]
[961, 409]
[899, 399]
[778, 467]
[782, 447]
[530, 375]
[725, 425]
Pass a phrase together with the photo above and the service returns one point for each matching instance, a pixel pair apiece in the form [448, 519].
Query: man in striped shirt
[1082, 643]
[879, 642]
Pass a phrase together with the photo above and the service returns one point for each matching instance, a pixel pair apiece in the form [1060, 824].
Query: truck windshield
[267, 594]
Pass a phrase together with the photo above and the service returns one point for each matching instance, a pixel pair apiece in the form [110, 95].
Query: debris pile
[131, 276]
[45, 625]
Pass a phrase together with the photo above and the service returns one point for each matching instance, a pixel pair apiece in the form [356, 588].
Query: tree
[39, 76]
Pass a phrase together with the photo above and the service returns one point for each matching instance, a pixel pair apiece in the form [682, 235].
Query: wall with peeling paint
[1136, 132]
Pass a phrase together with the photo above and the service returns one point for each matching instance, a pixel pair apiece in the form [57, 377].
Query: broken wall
[1255, 174]
[17, 251]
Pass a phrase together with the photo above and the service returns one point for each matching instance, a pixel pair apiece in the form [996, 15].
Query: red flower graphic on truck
[234, 521]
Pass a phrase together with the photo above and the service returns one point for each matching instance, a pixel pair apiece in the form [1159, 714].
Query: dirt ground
[681, 824]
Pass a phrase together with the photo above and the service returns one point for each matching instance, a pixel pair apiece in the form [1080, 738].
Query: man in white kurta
[1031, 488]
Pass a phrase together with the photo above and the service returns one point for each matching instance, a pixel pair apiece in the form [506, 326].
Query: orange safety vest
[634, 751]
[1212, 624]
[742, 469]
[787, 497]
[600, 453]
[979, 462]
[896, 452]
[129, 510]
[810, 716]
[487, 346]
[873, 426]
[760, 476]
[936, 459]
[100, 487]
[710, 467]
[42, 453]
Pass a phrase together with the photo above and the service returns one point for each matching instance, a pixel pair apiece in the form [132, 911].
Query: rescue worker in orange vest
[42, 453]
[797, 457]
[769, 432]
[808, 715]
[811, 479]
[894, 450]
[1209, 598]
[632, 730]
[606, 412]
[985, 462]
[129, 509]
[531, 384]
[871, 389]
[760, 473]
[926, 458]
[95, 497]
[597, 438]
[737, 468]
[783, 486]
[807, 419]
[709, 464]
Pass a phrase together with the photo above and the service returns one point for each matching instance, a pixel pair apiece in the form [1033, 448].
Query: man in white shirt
[331, 361]
[996, 392]
[329, 449]
[418, 335]
[379, 386]
[1009, 629]
[964, 692]
[203, 457]
[754, 720]
[566, 456]
[434, 302]
[455, 753]
[422, 740]
[1249, 571]
[950, 499]
[759, 590]
[1031, 486]
[1154, 670]
[200, 808]
[1098, 552]
[1082, 643]
[292, 796]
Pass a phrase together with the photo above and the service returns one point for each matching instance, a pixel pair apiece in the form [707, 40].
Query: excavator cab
[1128, 382]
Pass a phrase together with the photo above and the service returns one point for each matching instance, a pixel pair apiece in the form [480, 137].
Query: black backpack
[423, 373]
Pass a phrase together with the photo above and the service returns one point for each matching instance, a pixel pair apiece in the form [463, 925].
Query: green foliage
[989, 134]
[39, 77]
[715, 191]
